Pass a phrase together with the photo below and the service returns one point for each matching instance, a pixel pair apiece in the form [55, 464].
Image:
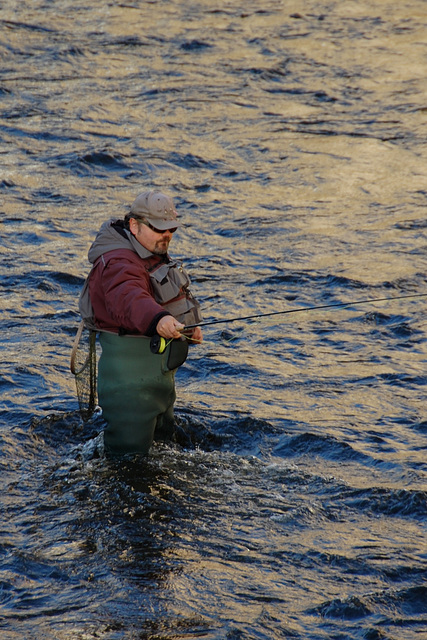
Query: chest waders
[136, 390]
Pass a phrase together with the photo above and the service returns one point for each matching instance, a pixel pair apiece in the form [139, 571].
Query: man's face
[156, 242]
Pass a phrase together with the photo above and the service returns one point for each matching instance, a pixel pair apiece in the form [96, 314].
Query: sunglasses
[160, 230]
[150, 226]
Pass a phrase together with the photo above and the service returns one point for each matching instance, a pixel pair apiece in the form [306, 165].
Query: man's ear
[133, 226]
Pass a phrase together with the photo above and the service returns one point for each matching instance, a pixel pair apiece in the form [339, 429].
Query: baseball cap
[158, 209]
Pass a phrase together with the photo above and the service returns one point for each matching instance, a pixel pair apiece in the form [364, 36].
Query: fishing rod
[287, 311]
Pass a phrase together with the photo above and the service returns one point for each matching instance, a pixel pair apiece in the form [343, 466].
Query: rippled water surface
[293, 138]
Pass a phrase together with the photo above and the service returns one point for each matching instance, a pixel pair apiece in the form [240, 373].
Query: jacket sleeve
[127, 297]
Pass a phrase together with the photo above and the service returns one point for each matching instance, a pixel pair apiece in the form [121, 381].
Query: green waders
[136, 392]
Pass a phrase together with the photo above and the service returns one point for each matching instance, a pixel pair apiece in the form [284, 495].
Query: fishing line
[287, 311]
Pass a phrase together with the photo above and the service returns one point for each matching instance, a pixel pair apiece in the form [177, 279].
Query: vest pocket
[168, 282]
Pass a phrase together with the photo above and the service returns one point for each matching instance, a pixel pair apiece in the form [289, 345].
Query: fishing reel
[158, 344]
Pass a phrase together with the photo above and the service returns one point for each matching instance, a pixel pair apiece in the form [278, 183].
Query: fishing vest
[170, 284]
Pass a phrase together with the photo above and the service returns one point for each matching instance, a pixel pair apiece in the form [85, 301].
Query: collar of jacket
[109, 238]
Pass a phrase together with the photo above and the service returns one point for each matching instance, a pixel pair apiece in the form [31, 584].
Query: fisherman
[139, 301]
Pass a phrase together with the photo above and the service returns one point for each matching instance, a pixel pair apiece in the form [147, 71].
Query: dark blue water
[293, 503]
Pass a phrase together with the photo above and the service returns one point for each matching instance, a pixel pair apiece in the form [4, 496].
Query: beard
[161, 247]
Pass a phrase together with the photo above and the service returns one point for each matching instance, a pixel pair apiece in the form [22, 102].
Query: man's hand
[197, 335]
[168, 327]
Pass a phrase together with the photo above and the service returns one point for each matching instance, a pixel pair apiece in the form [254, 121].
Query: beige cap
[158, 209]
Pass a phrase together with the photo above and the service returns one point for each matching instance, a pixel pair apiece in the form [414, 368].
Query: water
[292, 137]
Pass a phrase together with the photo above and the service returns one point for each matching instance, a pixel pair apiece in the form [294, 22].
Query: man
[139, 301]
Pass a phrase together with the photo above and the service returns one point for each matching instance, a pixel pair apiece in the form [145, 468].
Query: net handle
[75, 347]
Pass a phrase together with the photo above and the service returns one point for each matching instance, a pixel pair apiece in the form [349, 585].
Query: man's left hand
[197, 335]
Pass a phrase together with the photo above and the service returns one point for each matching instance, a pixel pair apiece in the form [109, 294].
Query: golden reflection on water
[331, 174]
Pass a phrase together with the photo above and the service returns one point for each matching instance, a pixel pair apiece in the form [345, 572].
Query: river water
[293, 138]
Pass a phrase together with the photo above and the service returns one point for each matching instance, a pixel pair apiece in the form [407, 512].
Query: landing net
[83, 367]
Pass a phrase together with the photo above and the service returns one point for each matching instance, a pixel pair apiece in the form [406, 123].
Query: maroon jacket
[121, 293]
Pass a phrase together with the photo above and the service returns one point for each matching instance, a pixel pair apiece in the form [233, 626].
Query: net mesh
[83, 367]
